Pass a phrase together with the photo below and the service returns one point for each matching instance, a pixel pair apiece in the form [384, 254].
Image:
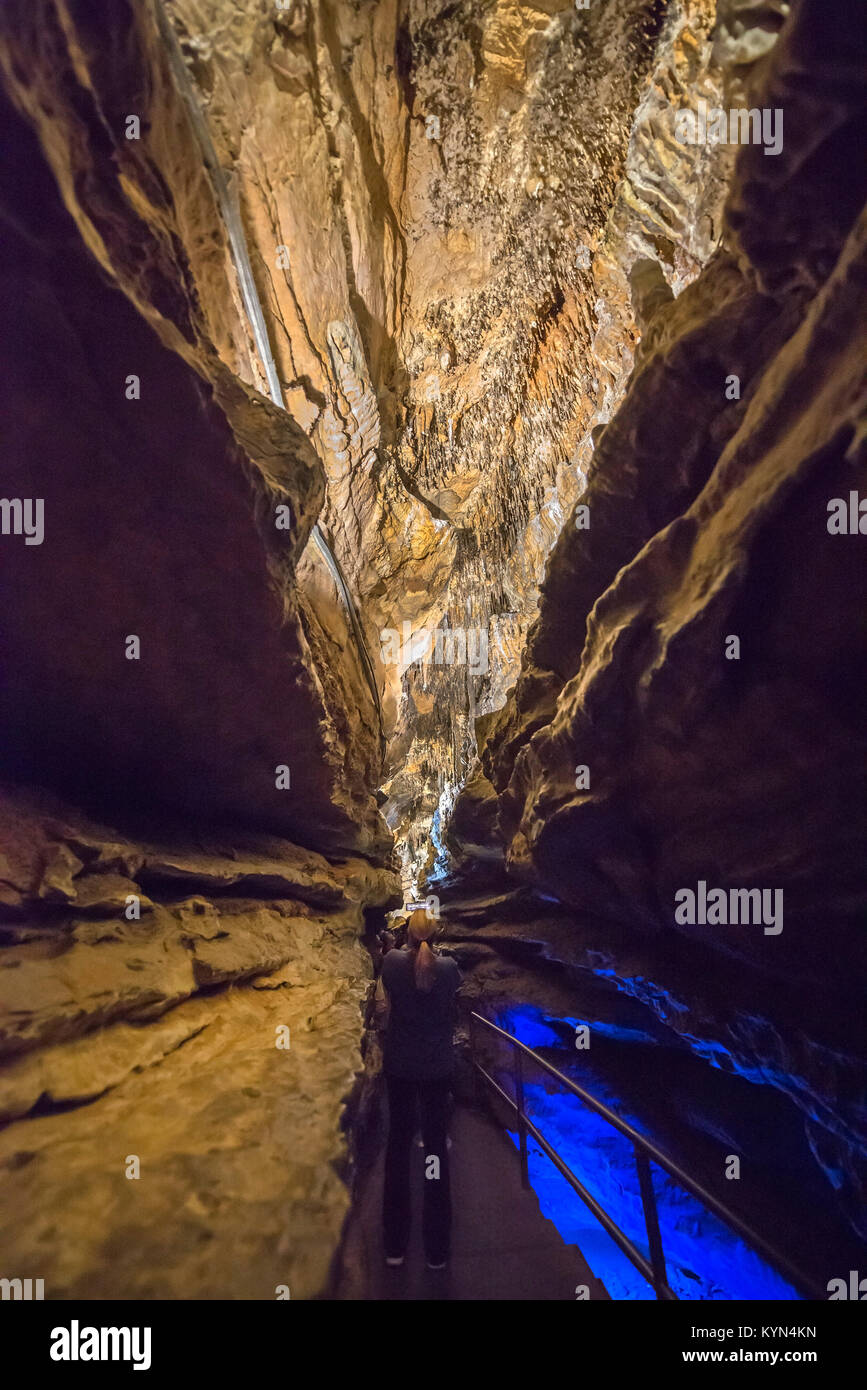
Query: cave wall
[183, 980]
[175, 1073]
[709, 518]
[496, 288]
[197, 454]
[444, 205]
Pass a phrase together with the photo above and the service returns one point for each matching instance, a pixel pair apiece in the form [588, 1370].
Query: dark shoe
[431, 1265]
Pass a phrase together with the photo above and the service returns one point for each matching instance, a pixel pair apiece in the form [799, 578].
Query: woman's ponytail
[425, 966]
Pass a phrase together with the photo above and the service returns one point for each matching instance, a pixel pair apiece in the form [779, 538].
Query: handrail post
[651, 1221]
[477, 1080]
[522, 1127]
[645, 1151]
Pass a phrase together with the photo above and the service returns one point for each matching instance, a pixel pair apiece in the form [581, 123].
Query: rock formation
[166, 678]
[635, 757]
[469, 528]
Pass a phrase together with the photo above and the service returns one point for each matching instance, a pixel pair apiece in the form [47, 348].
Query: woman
[417, 993]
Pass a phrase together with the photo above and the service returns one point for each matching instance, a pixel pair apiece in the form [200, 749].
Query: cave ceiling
[456, 218]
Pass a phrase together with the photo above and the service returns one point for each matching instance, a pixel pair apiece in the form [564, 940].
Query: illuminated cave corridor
[434, 465]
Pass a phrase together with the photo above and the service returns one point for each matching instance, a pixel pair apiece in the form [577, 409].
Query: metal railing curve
[646, 1151]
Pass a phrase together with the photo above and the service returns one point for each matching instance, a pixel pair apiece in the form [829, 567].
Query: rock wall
[181, 501]
[182, 974]
[444, 205]
[503, 299]
[636, 756]
[180, 1029]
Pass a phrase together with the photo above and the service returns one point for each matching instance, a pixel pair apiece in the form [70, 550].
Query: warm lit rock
[566, 400]
[709, 519]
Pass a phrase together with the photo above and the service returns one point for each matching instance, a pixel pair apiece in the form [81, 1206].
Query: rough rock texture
[495, 287]
[162, 476]
[443, 206]
[160, 522]
[445, 209]
[159, 1037]
[708, 518]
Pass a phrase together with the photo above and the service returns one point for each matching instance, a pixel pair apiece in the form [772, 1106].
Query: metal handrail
[645, 1150]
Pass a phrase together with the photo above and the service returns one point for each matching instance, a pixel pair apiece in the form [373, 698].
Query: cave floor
[503, 1248]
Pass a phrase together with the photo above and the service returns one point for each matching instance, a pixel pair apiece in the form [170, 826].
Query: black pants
[431, 1099]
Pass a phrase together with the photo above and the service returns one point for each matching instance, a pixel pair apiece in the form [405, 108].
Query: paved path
[502, 1246]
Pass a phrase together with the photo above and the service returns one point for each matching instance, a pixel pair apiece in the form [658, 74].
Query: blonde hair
[420, 928]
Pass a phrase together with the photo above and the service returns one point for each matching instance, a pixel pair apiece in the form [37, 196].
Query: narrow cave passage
[434, 472]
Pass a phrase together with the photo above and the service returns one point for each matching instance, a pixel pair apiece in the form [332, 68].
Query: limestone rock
[710, 521]
[214, 1038]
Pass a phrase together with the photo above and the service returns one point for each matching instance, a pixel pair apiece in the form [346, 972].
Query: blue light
[704, 1259]
[441, 863]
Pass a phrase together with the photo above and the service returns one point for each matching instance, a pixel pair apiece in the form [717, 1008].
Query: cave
[434, 471]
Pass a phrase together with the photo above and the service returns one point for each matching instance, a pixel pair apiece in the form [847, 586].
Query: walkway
[503, 1249]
